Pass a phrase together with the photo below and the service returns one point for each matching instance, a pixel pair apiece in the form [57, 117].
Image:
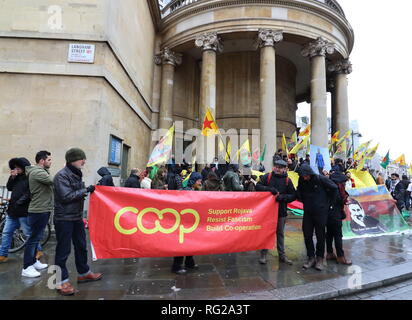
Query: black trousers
[315, 222]
[178, 263]
[334, 233]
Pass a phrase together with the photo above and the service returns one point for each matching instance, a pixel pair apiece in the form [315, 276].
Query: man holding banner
[279, 184]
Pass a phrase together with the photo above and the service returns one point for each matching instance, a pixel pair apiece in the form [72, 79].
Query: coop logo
[158, 227]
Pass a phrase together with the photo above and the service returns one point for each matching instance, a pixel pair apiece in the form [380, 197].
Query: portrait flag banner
[137, 223]
[372, 212]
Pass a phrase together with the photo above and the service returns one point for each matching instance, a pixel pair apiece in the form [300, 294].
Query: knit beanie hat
[75, 154]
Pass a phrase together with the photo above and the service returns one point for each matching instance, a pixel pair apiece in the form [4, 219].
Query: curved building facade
[250, 61]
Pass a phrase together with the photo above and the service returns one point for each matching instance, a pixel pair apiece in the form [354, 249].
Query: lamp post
[357, 134]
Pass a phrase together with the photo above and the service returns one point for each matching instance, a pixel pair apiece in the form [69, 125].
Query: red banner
[133, 223]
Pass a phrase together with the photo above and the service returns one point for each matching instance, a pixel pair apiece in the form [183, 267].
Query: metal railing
[175, 5]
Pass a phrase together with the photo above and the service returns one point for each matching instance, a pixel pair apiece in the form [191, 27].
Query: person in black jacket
[318, 194]
[18, 205]
[336, 215]
[133, 181]
[407, 195]
[107, 179]
[280, 185]
[69, 195]
[397, 191]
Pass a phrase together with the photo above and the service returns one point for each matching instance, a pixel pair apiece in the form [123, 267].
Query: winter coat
[69, 195]
[41, 190]
[107, 179]
[399, 195]
[132, 182]
[231, 181]
[318, 194]
[212, 184]
[175, 182]
[283, 185]
[159, 183]
[20, 196]
[338, 209]
[205, 173]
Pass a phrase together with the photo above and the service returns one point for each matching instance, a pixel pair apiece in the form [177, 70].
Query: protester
[278, 183]
[317, 193]
[249, 183]
[174, 181]
[18, 206]
[205, 172]
[397, 191]
[407, 195]
[231, 179]
[145, 181]
[40, 207]
[133, 181]
[107, 179]
[195, 181]
[159, 182]
[213, 183]
[336, 215]
[69, 195]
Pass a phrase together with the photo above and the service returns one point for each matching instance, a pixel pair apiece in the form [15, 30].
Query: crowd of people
[35, 195]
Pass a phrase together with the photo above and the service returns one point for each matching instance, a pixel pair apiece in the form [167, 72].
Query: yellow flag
[244, 154]
[341, 149]
[335, 137]
[284, 145]
[361, 164]
[346, 136]
[361, 150]
[209, 125]
[295, 137]
[372, 152]
[401, 160]
[306, 132]
[228, 151]
[299, 146]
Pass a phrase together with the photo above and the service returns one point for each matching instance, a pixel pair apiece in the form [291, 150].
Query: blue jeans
[11, 225]
[37, 223]
[66, 233]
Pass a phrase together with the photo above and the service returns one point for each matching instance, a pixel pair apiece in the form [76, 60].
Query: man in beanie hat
[278, 183]
[69, 195]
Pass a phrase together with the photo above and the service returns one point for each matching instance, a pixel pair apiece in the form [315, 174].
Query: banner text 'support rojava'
[133, 223]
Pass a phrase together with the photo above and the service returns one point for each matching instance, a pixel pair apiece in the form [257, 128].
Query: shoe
[40, 266]
[66, 289]
[192, 267]
[263, 257]
[180, 271]
[285, 259]
[90, 277]
[319, 264]
[30, 272]
[310, 263]
[342, 260]
[39, 254]
[331, 256]
[3, 259]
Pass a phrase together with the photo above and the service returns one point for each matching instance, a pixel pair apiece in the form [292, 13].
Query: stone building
[103, 75]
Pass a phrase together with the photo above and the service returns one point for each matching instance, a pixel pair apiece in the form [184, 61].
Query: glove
[91, 188]
[274, 191]
[281, 198]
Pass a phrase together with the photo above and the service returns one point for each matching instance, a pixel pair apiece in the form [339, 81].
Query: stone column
[340, 107]
[317, 51]
[267, 39]
[169, 60]
[210, 45]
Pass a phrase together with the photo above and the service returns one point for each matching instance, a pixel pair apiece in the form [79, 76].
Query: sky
[381, 82]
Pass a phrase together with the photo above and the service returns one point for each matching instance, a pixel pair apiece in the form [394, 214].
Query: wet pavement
[224, 276]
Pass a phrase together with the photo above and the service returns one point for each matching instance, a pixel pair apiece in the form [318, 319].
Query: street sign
[81, 52]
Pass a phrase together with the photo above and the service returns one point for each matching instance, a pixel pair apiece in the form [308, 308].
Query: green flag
[262, 157]
[385, 161]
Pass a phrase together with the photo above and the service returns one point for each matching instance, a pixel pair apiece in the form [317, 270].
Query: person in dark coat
[133, 181]
[231, 180]
[282, 187]
[317, 193]
[336, 215]
[205, 172]
[107, 179]
[174, 179]
[18, 205]
[397, 191]
[69, 195]
[159, 182]
[407, 195]
[213, 183]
